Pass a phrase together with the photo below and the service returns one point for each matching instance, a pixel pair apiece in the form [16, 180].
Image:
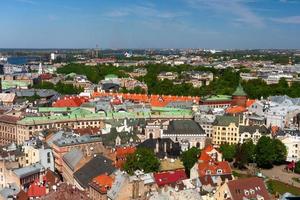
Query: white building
[35, 153]
[291, 139]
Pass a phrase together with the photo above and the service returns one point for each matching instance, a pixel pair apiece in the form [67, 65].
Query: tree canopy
[280, 152]
[143, 159]
[60, 87]
[265, 152]
[189, 158]
[228, 151]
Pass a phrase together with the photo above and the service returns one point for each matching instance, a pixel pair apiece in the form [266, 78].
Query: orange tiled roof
[236, 109]
[104, 182]
[249, 102]
[204, 153]
[213, 167]
[124, 151]
[121, 154]
[154, 100]
[70, 101]
[208, 163]
[274, 130]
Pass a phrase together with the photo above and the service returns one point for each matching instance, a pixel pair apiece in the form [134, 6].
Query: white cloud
[27, 1]
[287, 20]
[237, 8]
[143, 11]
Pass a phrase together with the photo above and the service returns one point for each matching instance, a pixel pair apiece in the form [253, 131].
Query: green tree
[142, 159]
[265, 153]
[280, 152]
[297, 167]
[245, 154]
[228, 151]
[249, 148]
[189, 158]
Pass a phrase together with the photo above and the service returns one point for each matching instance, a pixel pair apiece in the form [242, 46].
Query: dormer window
[219, 171]
[208, 172]
[246, 192]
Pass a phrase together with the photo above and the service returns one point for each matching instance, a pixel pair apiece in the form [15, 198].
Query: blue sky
[220, 24]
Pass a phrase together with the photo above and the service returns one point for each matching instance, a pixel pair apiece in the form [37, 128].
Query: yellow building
[226, 130]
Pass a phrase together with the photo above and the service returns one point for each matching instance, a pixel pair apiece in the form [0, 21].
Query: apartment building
[8, 129]
[226, 130]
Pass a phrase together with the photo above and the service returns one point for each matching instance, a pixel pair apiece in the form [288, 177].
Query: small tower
[239, 97]
[40, 69]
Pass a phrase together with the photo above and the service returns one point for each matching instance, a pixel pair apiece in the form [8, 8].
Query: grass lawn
[240, 175]
[275, 186]
[296, 179]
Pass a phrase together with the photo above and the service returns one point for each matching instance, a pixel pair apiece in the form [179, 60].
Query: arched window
[151, 135]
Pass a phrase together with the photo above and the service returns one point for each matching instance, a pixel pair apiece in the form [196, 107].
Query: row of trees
[225, 81]
[258, 88]
[60, 87]
[94, 73]
[266, 153]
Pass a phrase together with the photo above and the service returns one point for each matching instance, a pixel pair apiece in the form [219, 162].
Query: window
[219, 171]
[208, 172]
[48, 157]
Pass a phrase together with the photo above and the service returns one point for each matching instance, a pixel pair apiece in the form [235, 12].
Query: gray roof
[32, 92]
[8, 192]
[29, 170]
[117, 185]
[96, 166]
[252, 129]
[73, 157]
[180, 104]
[70, 139]
[290, 132]
[226, 120]
[181, 127]
[285, 100]
[126, 138]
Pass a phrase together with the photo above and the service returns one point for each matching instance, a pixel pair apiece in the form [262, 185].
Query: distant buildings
[167, 75]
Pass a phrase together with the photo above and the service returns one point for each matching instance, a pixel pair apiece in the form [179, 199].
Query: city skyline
[240, 24]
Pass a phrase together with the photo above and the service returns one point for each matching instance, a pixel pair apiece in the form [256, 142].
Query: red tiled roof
[103, 182]
[208, 165]
[124, 151]
[248, 188]
[206, 180]
[70, 101]
[9, 118]
[22, 195]
[236, 109]
[166, 178]
[154, 100]
[36, 189]
[50, 177]
[249, 102]
[121, 154]
[204, 156]
[212, 168]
